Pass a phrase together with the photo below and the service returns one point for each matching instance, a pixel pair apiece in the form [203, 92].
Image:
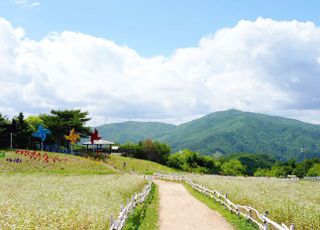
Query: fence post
[266, 227]
[250, 214]
[111, 221]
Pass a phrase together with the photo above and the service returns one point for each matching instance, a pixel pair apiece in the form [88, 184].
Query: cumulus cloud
[262, 66]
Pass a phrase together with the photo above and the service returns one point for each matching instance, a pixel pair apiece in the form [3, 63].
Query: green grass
[38, 201]
[137, 165]
[73, 166]
[237, 222]
[146, 215]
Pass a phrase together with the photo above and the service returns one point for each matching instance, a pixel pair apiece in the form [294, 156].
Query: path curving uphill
[180, 210]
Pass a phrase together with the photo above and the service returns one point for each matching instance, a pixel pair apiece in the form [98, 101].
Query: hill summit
[227, 132]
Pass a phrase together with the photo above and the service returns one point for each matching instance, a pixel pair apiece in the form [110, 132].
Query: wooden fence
[261, 220]
[131, 204]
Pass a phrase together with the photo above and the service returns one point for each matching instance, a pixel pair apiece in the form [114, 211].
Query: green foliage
[147, 149]
[4, 132]
[314, 171]
[192, 162]
[252, 162]
[34, 121]
[233, 168]
[61, 122]
[146, 215]
[21, 132]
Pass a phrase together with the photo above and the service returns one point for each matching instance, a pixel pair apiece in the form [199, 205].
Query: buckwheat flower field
[288, 201]
[63, 202]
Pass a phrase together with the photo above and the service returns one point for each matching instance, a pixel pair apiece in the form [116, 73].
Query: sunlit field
[65, 164]
[137, 165]
[287, 201]
[63, 202]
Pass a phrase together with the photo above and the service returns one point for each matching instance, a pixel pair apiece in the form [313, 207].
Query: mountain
[227, 132]
[133, 131]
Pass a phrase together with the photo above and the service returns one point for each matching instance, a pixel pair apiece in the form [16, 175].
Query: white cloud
[263, 66]
[26, 3]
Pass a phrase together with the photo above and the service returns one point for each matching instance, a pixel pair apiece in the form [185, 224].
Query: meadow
[287, 201]
[63, 202]
[60, 191]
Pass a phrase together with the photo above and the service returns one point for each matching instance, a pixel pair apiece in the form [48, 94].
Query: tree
[60, 122]
[21, 132]
[155, 151]
[4, 132]
[189, 161]
[34, 121]
[233, 168]
[314, 171]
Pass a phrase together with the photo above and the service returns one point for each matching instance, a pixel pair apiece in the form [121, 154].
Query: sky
[168, 61]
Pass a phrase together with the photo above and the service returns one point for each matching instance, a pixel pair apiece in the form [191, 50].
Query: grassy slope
[137, 165]
[73, 166]
[78, 165]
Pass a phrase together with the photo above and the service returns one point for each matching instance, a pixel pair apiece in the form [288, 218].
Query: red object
[94, 136]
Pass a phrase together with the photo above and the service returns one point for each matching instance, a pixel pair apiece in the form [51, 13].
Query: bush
[147, 149]
[314, 171]
[189, 161]
[233, 168]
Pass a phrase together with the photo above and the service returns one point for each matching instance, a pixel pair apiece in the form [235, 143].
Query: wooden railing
[261, 220]
[131, 204]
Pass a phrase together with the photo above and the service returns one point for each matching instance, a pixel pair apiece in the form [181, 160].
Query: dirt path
[181, 211]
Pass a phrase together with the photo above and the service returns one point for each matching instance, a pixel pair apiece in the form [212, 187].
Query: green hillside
[132, 131]
[227, 132]
[66, 164]
[233, 131]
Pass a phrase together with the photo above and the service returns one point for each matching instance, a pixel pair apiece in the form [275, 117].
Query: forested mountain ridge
[227, 132]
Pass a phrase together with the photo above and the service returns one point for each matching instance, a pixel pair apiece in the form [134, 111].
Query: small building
[99, 145]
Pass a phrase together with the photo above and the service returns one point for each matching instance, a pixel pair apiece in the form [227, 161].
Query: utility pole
[11, 140]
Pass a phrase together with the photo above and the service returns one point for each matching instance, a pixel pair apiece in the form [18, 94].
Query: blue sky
[169, 61]
[149, 27]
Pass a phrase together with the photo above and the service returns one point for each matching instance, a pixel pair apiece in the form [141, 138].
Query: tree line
[19, 129]
[233, 165]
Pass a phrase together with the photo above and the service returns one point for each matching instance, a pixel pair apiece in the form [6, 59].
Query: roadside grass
[38, 201]
[146, 215]
[137, 165]
[73, 165]
[238, 223]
